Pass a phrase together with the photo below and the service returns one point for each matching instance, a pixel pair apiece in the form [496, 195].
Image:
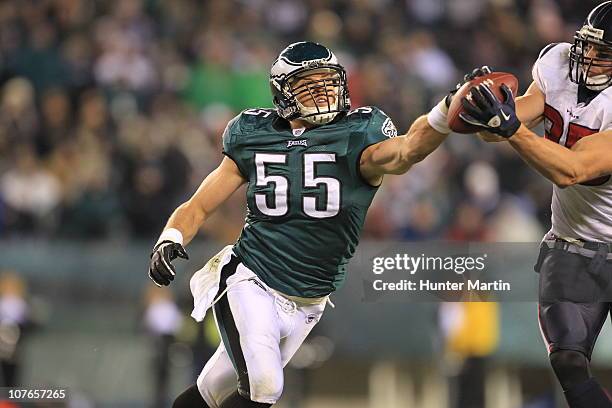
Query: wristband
[438, 118]
[170, 234]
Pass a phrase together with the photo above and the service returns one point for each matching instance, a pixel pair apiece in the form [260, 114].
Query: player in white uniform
[572, 92]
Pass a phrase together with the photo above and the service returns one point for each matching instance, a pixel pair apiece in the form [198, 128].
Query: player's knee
[568, 360]
[266, 386]
[265, 371]
[214, 386]
[571, 367]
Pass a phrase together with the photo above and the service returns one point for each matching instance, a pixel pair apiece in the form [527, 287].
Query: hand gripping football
[494, 80]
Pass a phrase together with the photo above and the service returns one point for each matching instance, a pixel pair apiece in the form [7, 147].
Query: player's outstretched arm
[398, 154]
[187, 219]
[589, 158]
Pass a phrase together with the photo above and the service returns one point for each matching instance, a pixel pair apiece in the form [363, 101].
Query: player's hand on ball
[476, 72]
[161, 270]
[438, 116]
[485, 110]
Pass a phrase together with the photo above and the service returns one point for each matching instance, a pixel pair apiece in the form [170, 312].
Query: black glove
[489, 112]
[161, 270]
[476, 72]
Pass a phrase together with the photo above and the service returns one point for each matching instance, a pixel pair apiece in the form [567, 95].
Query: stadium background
[111, 114]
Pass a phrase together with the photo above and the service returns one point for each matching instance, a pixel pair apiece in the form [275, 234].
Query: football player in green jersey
[312, 167]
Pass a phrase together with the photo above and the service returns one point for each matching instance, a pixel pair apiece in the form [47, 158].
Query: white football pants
[261, 330]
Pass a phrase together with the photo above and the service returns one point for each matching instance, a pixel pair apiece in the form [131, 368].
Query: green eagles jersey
[306, 199]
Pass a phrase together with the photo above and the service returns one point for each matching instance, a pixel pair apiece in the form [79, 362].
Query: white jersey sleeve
[545, 71]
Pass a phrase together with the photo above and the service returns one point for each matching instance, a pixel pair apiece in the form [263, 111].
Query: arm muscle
[589, 158]
[530, 106]
[397, 155]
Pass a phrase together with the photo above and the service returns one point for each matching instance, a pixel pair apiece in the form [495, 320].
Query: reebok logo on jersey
[298, 132]
[256, 282]
[302, 142]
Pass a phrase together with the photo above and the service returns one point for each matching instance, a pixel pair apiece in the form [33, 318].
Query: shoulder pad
[381, 122]
[232, 126]
[555, 53]
[364, 115]
[363, 112]
[547, 48]
[374, 123]
[367, 114]
[246, 121]
[551, 69]
[254, 118]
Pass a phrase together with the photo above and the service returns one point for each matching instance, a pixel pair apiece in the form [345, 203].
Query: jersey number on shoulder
[281, 186]
[257, 112]
[575, 132]
[363, 109]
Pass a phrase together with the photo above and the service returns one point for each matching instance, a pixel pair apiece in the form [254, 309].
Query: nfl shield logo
[311, 318]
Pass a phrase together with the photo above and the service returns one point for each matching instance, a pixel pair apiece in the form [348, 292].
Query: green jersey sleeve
[231, 143]
[380, 127]
[374, 127]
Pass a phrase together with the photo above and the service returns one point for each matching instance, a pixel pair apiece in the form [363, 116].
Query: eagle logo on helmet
[298, 61]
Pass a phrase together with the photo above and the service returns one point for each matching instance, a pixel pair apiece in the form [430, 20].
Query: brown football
[494, 80]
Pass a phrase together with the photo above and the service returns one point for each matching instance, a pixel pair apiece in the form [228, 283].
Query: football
[494, 80]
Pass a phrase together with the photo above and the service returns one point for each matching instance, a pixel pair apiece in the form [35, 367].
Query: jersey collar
[586, 95]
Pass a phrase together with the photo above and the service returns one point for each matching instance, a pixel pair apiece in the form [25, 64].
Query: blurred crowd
[111, 112]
